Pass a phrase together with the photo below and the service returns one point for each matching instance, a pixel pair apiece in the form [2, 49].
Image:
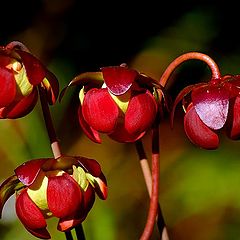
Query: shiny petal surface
[21, 108]
[7, 189]
[64, 196]
[198, 132]
[141, 113]
[29, 214]
[233, 122]
[7, 86]
[211, 104]
[100, 187]
[118, 79]
[34, 68]
[90, 165]
[180, 96]
[66, 224]
[87, 129]
[28, 171]
[99, 110]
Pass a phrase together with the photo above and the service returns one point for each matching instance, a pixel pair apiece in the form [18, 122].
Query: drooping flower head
[64, 188]
[20, 74]
[212, 106]
[117, 101]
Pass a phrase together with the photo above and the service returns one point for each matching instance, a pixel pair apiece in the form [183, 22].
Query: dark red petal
[121, 135]
[211, 104]
[88, 130]
[28, 213]
[233, 122]
[28, 171]
[99, 110]
[34, 68]
[21, 108]
[90, 165]
[141, 113]
[66, 224]
[118, 79]
[100, 187]
[89, 199]
[198, 132]
[40, 233]
[64, 196]
[7, 86]
[180, 97]
[7, 189]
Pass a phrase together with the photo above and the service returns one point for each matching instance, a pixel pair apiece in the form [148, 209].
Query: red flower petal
[90, 165]
[100, 187]
[28, 171]
[233, 122]
[28, 213]
[64, 196]
[21, 108]
[141, 113]
[99, 110]
[34, 68]
[7, 86]
[211, 104]
[40, 233]
[66, 224]
[120, 134]
[118, 79]
[88, 130]
[198, 132]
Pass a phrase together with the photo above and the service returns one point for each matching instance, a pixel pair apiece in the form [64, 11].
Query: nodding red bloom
[20, 73]
[64, 188]
[212, 106]
[117, 101]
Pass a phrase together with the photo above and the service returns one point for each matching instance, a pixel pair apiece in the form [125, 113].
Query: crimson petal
[211, 104]
[34, 68]
[118, 78]
[141, 113]
[64, 196]
[233, 122]
[198, 132]
[28, 213]
[88, 130]
[21, 108]
[100, 186]
[28, 171]
[7, 86]
[90, 165]
[40, 233]
[99, 110]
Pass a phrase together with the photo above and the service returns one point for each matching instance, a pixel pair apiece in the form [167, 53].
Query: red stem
[49, 124]
[153, 208]
[190, 56]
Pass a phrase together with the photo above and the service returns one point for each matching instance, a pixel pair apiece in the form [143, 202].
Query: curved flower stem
[153, 208]
[190, 56]
[55, 146]
[148, 180]
[49, 124]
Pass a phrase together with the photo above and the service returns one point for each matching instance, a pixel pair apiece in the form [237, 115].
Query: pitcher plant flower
[211, 107]
[20, 74]
[64, 188]
[117, 101]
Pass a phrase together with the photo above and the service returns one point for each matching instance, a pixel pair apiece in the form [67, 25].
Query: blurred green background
[199, 190]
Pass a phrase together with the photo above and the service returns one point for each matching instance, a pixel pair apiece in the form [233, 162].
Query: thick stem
[153, 208]
[49, 124]
[79, 232]
[190, 56]
[68, 235]
[148, 180]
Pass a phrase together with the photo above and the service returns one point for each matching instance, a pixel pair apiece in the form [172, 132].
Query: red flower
[64, 188]
[20, 73]
[212, 106]
[117, 101]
